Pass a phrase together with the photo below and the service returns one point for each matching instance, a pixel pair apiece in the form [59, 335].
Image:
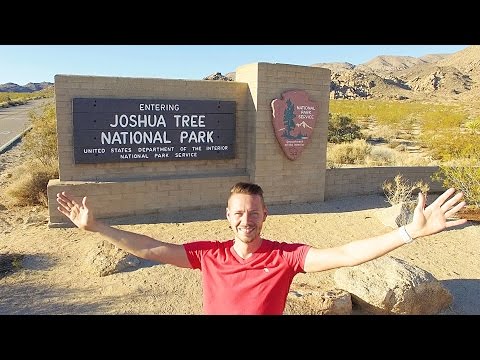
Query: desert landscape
[52, 270]
[62, 271]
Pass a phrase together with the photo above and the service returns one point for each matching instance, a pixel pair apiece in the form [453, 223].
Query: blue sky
[22, 64]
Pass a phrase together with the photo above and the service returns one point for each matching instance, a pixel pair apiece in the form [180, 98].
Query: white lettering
[216, 148]
[121, 150]
[159, 107]
[134, 156]
[156, 149]
[196, 137]
[145, 120]
[305, 117]
[305, 107]
[185, 155]
[136, 137]
[94, 151]
[189, 120]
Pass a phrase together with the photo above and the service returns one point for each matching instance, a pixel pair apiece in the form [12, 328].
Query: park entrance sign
[126, 130]
[151, 145]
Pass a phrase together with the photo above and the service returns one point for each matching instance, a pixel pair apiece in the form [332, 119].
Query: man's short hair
[248, 189]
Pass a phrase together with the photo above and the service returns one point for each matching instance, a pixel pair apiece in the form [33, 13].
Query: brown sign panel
[293, 120]
[123, 130]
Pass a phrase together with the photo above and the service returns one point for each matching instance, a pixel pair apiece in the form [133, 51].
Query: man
[252, 275]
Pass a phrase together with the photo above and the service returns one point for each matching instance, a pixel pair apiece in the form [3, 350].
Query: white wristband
[405, 235]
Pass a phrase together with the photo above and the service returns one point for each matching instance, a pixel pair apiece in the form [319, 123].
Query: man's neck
[246, 250]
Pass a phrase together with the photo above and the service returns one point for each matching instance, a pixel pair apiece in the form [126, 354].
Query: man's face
[246, 215]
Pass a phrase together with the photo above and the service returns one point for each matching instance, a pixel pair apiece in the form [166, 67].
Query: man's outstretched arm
[426, 221]
[139, 245]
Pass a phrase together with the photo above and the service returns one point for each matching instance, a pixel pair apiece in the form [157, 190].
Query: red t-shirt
[255, 286]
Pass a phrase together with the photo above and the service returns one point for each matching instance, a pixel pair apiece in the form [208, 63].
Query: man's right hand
[79, 214]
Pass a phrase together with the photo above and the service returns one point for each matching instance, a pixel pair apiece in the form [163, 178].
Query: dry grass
[29, 183]
[362, 153]
[401, 190]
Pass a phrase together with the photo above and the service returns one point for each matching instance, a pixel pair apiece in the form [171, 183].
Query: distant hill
[432, 77]
[440, 77]
[28, 88]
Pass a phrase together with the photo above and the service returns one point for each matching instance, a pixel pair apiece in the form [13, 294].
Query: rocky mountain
[433, 77]
[218, 76]
[440, 77]
[28, 88]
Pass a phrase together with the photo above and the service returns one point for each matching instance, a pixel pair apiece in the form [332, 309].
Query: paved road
[14, 121]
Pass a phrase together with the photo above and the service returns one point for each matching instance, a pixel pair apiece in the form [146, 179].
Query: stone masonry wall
[118, 189]
[346, 182]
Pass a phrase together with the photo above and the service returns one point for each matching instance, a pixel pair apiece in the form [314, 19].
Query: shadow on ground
[14, 262]
[25, 299]
[466, 296]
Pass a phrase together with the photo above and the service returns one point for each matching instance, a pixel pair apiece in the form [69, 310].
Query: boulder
[315, 302]
[106, 259]
[388, 285]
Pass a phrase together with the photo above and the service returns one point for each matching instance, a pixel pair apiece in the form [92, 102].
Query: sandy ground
[52, 275]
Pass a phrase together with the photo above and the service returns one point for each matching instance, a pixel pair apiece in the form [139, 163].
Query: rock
[388, 285]
[217, 76]
[107, 259]
[396, 215]
[312, 302]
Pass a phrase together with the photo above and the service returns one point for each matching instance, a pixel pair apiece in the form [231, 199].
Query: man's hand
[434, 218]
[79, 214]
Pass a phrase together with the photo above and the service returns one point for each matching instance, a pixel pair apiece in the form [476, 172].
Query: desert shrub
[332, 165]
[463, 175]
[391, 113]
[353, 152]
[473, 126]
[342, 129]
[461, 168]
[380, 156]
[29, 183]
[384, 156]
[400, 190]
[41, 141]
[442, 118]
[381, 132]
[397, 144]
[404, 135]
[15, 98]
[443, 133]
[450, 145]
[401, 118]
[407, 159]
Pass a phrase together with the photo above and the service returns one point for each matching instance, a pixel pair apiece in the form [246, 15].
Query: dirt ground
[47, 270]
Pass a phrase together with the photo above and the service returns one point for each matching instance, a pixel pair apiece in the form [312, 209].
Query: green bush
[463, 175]
[473, 126]
[342, 129]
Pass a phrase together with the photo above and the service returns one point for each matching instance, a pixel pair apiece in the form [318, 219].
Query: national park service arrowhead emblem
[293, 120]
